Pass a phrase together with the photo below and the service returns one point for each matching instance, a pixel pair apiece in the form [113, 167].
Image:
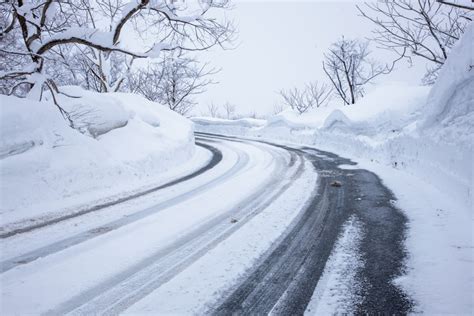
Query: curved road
[116, 256]
[40, 223]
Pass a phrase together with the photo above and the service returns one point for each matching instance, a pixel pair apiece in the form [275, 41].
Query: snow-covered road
[248, 229]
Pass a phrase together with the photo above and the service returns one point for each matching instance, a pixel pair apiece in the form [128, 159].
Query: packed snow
[36, 287]
[337, 290]
[211, 277]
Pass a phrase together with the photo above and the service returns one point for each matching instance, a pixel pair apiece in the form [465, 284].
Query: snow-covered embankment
[122, 142]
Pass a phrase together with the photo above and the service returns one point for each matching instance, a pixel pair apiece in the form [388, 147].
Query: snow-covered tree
[349, 68]
[183, 79]
[423, 28]
[102, 71]
[32, 31]
[147, 81]
[173, 82]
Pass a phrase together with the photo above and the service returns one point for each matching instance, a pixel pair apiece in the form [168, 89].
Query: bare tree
[147, 81]
[252, 114]
[173, 82]
[278, 108]
[320, 93]
[349, 67]
[99, 71]
[312, 95]
[297, 99]
[423, 28]
[212, 110]
[40, 26]
[183, 79]
[229, 109]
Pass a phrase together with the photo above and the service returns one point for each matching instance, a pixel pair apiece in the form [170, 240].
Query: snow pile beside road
[122, 142]
[386, 110]
[237, 127]
[378, 127]
[451, 101]
[291, 119]
[90, 116]
[385, 127]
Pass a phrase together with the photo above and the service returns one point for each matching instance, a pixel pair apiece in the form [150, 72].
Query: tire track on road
[115, 295]
[284, 281]
[113, 225]
[215, 159]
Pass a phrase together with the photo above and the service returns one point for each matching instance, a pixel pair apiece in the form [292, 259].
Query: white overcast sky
[280, 45]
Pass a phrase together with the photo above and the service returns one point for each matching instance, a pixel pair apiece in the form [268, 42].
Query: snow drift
[121, 142]
[450, 113]
[237, 127]
[387, 126]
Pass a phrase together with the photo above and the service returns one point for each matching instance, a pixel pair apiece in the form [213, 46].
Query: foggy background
[280, 44]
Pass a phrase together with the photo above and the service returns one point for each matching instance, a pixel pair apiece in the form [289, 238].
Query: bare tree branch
[349, 68]
[212, 110]
[422, 28]
[173, 82]
[229, 109]
[312, 95]
[457, 5]
[40, 29]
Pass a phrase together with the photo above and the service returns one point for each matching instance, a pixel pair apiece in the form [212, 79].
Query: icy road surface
[249, 230]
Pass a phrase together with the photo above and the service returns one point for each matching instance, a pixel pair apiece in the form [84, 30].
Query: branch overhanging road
[285, 276]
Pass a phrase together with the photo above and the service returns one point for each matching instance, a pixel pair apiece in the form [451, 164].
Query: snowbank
[238, 126]
[387, 109]
[451, 101]
[386, 127]
[295, 121]
[122, 142]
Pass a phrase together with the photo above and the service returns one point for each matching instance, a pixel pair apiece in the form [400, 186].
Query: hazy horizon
[277, 48]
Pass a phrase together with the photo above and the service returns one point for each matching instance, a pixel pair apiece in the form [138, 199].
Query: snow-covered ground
[122, 142]
[182, 223]
[336, 292]
[420, 142]
[182, 249]
[208, 279]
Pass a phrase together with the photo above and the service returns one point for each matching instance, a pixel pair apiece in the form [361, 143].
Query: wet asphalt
[285, 278]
